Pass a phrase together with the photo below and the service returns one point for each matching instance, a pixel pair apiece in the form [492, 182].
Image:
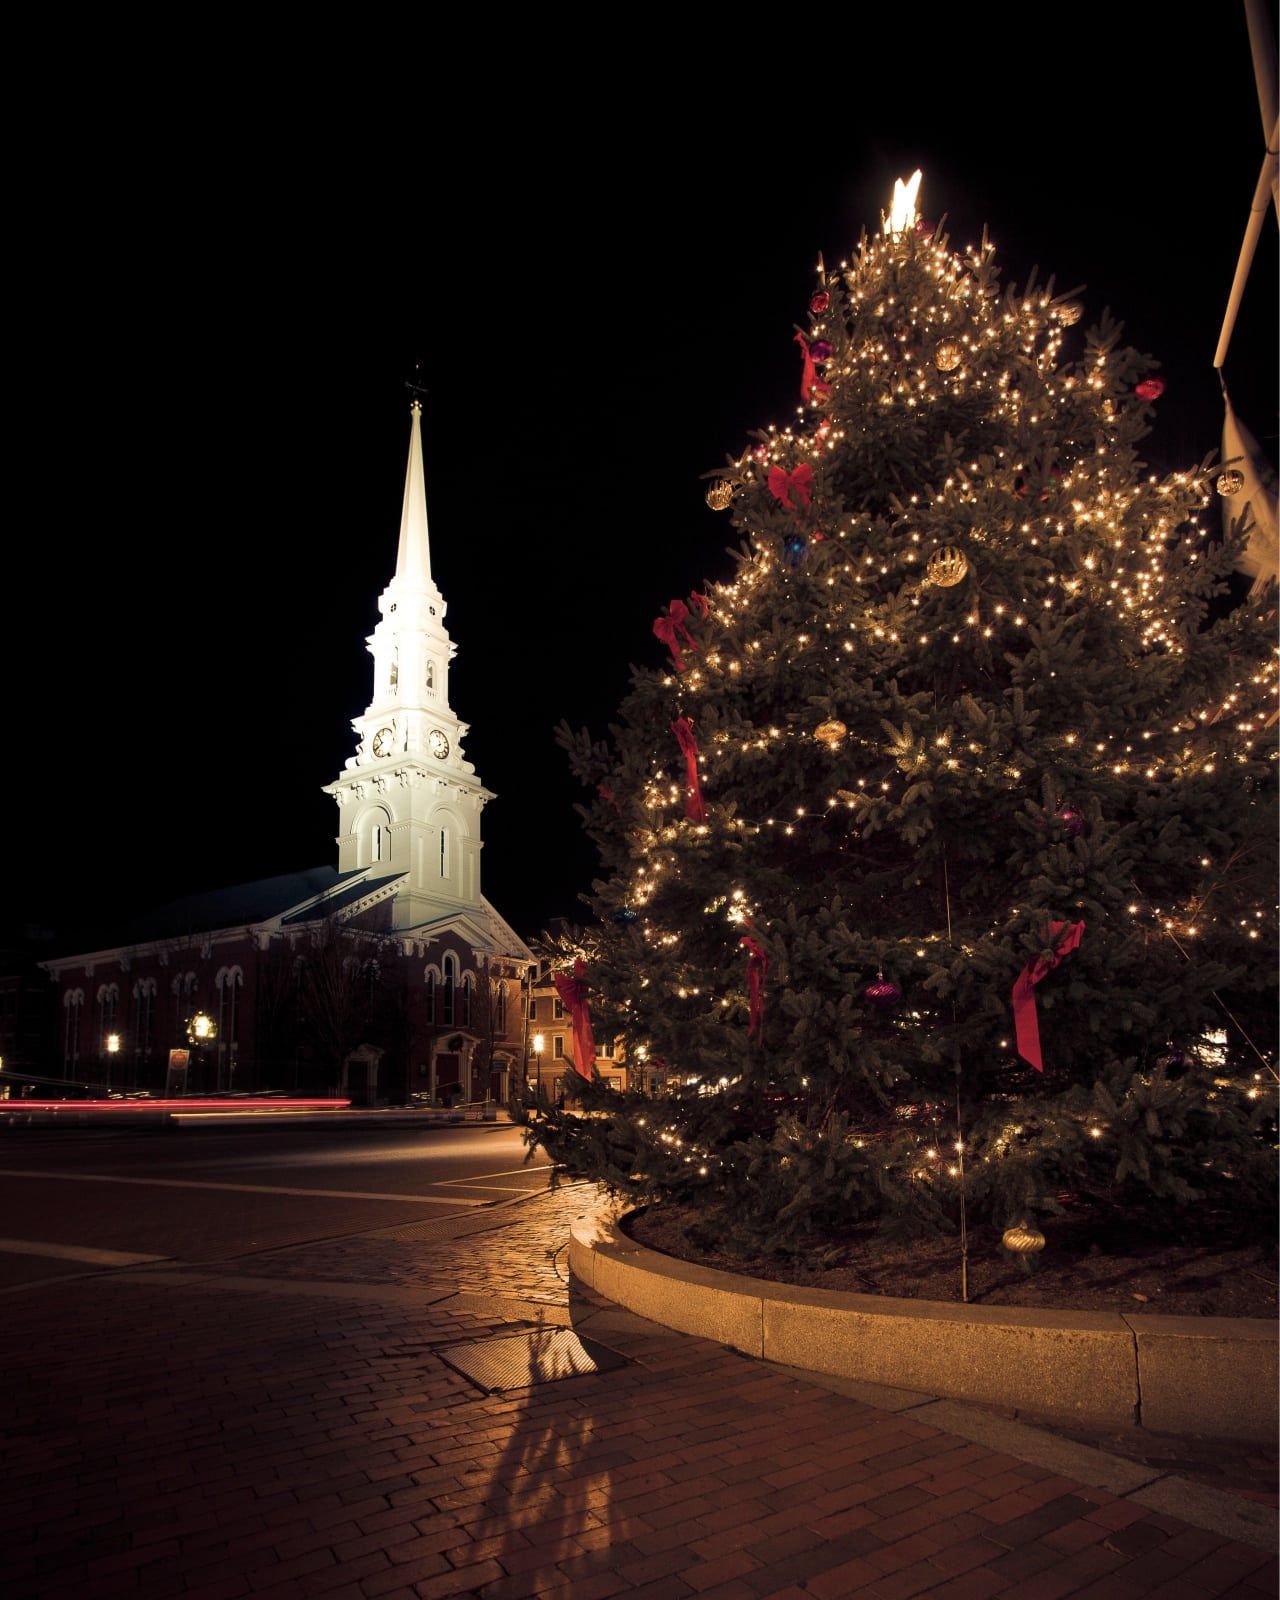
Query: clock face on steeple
[382, 742]
[438, 743]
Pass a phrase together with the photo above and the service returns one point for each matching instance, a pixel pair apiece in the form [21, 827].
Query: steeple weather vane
[416, 388]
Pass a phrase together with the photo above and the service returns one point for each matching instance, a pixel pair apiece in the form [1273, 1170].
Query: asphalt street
[72, 1199]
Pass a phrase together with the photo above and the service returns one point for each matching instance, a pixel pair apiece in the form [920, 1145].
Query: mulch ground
[1085, 1265]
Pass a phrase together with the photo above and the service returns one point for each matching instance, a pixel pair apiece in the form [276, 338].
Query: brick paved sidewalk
[285, 1426]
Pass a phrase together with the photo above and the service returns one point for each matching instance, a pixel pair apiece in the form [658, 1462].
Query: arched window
[373, 832]
[431, 677]
[450, 965]
[73, 1004]
[468, 991]
[184, 997]
[430, 994]
[395, 672]
[229, 981]
[108, 998]
[500, 1007]
[144, 1004]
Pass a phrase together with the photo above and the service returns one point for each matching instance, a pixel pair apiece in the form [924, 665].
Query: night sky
[218, 319]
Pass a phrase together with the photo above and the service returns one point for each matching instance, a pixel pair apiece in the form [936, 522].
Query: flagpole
[1263, 192]
[1262, 48]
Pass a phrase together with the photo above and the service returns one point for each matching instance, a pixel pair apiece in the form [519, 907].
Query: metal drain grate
[515, 1361]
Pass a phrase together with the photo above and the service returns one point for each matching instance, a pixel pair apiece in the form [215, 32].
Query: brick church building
[383, 977]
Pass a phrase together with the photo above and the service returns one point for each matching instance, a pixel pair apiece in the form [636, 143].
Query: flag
[1256, 501]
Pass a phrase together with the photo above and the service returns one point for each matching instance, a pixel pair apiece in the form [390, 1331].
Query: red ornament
[882, 993]
[821, 302]
[1150, 389]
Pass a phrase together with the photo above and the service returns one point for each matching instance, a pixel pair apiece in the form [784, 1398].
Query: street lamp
[538, 1043]
[111, 1046]
[201, 1030]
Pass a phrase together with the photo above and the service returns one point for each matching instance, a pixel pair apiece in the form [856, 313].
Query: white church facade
[387, 976]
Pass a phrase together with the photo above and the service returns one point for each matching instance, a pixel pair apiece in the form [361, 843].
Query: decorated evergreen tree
[938, 848]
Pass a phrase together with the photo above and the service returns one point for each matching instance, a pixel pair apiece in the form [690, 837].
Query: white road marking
[510, 1172]
[68, 1252]
[498, 1188]
[249, 1188]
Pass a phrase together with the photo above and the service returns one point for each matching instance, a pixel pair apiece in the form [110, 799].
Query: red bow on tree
[782, 485]
[1025, 1020]
[573, 993]
[674, 626]
[809, 373]
[693, 806]
[608, 796]
[757, 971]
[699, 602]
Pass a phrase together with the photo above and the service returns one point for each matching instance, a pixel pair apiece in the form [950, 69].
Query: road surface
[72, 1200]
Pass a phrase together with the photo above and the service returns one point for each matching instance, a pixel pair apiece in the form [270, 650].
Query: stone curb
[1212, 1376]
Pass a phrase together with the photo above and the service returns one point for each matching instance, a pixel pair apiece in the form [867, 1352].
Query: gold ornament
[947, 567]
[1231, 481]
[1068, 313]
[830, 733]
[1022, 1239]
[947, 355]
[720, 495]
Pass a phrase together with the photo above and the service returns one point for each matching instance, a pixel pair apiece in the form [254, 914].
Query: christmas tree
[938, 847]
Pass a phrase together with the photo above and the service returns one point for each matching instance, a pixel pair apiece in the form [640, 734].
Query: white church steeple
[408, 803]
[413, 558]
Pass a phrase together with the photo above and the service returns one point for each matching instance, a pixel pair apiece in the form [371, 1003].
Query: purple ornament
[1175, 1062]
[882, 993]
[1071, 820]
[820, 349]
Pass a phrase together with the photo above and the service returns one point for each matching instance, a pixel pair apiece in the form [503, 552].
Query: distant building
[385, 977]
[549, 1019]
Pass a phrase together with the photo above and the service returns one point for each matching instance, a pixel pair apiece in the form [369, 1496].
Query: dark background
[596, 271]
